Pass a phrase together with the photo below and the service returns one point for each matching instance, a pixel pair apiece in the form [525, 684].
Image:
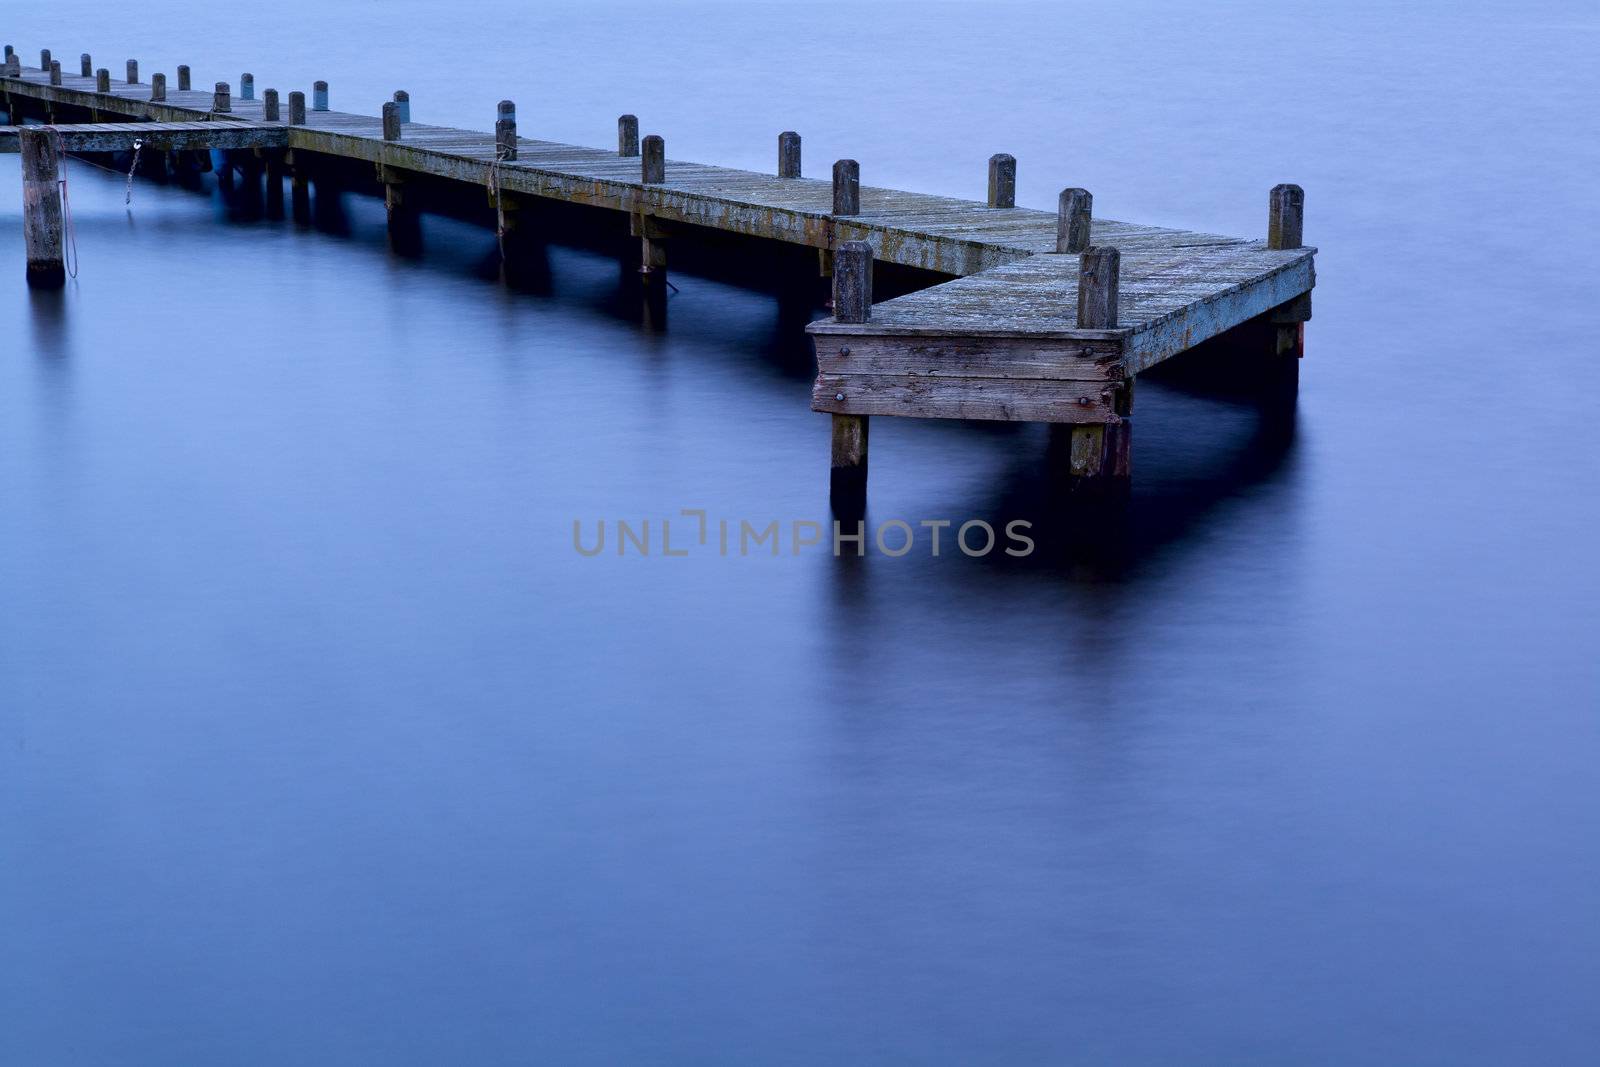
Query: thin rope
[70, 251]
[501, 154]
[138, 146]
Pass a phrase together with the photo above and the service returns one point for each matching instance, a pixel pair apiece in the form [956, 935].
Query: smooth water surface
[320, 744]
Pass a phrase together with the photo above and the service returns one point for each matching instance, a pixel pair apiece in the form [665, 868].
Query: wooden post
[847, 187]
[652, 243]
[1073, 216]
[852, 302]
[1002, 180]
[247, 86]
[1098, 270]
[158, 87]
[319, 96]
[1286, 216]
[133, 72]
[627, 135]
[788, 154]
[41, 209]
[505, 131]
[653, 168]
[269, 106]
[402, 100]
[44, 59]
[102, 80]
[222, 99]
[183, 77]
[13, 66]
[55, 72]
[391, 121]
[297, 108]
[85, 66]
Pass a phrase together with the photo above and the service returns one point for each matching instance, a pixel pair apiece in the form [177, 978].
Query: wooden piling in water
[1286, 206]
[319, 96]
[852, 302]
[846, 188]
[788, 154]
[297, 108]
[402, 101]
[41, 209]
[1074, 211]
[158, 87]
[653, 162]
[1002, 180]
[183, 78]
[222, 99]
[505, 131]
[627, 135]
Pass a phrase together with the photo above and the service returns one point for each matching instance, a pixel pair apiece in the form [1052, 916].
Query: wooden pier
[1048, 317]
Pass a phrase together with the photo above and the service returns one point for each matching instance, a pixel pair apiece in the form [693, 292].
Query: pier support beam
[41, 210]
[852, 302]
[652, 236]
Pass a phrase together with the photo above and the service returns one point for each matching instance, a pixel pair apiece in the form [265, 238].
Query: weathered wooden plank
[1013, 400]
[970, 357]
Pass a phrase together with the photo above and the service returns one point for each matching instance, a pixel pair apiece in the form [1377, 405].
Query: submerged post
[847, 187]
[222, 98]
[788, 154]
[158, 87]
[85, 66]
[1002, 180]
[133, 72]
[1074, 213]
[505, 130]
[297, 108]
[319, 96]
[1286, 217]
[653, 167]
[102, 80]
[391, 121]
[41, 209]
[247, 86]
[269, 106]
[852, 302]
[183, 78]
[402, 100]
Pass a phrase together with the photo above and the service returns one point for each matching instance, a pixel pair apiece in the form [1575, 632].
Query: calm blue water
[319, 744]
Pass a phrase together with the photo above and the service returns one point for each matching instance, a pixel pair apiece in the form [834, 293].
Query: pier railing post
[627, 135]
[85, 66]
[852, 303]
[222, 98]
[319, 96]
[297, 108]
[391, 121]
[247, 86]
[788, 154]
[55, 72]
[1098, 271]
[847, 187]
[102, 80]
[133, 72]
[158, 87]
[269, 105]
[505, 131]
[1002, 180]
[402, 100]
[44, 59]
[1074, 215]
[41, 209]
[183, 78]
[653, 162]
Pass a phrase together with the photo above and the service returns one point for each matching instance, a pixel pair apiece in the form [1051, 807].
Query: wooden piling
[222, 98]
[41, 209]
[319, 96]
[183, 78]
[85, 66]
[846, 187]
[1002, 180]
[627, 135]
[269, 105]
[391, 121]
[102, 80]
[247, 86]
[1074, 211]
[852, 302]
[505, 131]
[852, 282]
[788, 154]
[44, 59]
[1098, 277]
[653, 167]
[55, 72]
[13, 67]
[133, 72]
[297, 108]
[158, 87]
[402, 100]
[1286, 217]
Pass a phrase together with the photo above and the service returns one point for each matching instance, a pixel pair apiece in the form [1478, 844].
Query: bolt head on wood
[1286, 217]
[1002, 180]
[1074, 218]
[847, 187]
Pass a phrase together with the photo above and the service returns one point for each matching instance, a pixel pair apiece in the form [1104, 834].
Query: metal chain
[138, 144]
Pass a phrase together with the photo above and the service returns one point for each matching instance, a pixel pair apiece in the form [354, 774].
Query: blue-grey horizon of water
[319, 742]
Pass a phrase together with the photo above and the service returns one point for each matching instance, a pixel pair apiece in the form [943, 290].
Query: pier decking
[1041, 322]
